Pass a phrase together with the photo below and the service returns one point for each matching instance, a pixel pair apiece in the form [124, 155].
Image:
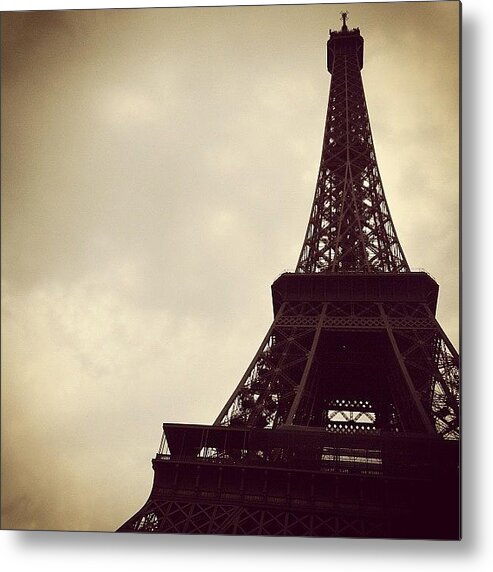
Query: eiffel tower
[346, 422]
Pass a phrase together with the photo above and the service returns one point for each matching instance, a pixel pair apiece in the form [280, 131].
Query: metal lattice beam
[350, 227]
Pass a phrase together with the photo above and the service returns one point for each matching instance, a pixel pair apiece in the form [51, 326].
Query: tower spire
[350, 227]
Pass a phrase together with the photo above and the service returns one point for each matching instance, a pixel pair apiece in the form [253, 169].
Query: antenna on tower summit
[344, 17]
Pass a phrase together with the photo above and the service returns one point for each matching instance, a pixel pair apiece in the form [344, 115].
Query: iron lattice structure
[350, 227]
[346, 422]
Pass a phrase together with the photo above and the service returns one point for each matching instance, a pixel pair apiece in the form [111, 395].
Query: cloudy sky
[158, 171]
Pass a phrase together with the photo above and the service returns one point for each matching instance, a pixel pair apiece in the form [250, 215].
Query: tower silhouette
[346, 422]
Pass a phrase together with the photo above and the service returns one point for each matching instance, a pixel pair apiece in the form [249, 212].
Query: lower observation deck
[308, 448]
[300, 481]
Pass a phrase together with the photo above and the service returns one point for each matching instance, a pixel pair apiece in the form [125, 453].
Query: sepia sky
[158, 170]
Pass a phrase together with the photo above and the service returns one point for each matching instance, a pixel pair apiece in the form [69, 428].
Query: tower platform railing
[353, 450]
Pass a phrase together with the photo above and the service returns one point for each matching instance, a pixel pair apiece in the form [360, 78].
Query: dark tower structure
[346, 422]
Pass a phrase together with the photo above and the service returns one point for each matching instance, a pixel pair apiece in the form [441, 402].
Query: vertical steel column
[301, 387]
[405, 373]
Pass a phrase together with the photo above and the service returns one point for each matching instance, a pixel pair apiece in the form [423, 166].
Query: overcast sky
[158, 172]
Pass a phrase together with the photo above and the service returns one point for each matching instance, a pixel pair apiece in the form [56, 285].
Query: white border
[54, 551]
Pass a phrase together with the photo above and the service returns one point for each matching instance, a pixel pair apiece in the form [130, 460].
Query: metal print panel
[158, 174]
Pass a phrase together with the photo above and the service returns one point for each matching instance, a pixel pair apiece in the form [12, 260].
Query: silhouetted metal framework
[346, 422]
[350, 227]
